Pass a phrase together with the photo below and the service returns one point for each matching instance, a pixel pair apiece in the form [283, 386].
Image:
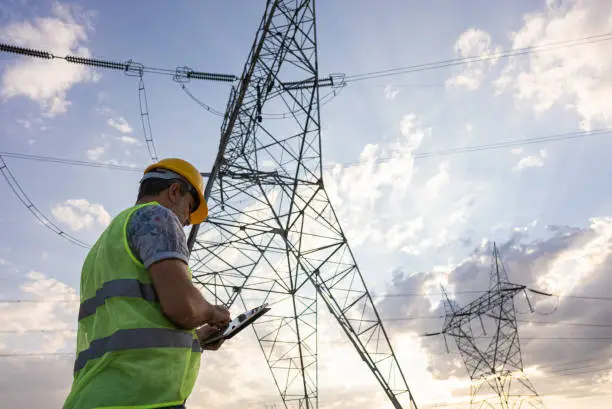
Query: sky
[414, 221]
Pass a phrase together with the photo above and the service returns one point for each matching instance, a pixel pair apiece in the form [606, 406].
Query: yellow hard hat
[189, 172]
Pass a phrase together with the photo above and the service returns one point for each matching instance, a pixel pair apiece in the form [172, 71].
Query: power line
[17, 301]
[52, 330]
[444, 152]
[72, 162]
[582, 297]
[485, 147]
[276, 115]
[591, 365]
[564, 364]
[487, 57]
[25, 200]
[582, 372]
[565, 339]
[586, 297]
[42, 331]
[180, 74]
[421, 155]
[571, 324]
[344, 341]
[11, 355]
[184, 74]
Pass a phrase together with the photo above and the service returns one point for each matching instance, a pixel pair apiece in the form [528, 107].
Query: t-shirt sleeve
[154, 233]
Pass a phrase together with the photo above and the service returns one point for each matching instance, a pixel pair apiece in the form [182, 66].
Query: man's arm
[181, 301]
[156, 237]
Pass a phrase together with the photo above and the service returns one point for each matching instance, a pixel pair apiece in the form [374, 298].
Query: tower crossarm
[481, 306]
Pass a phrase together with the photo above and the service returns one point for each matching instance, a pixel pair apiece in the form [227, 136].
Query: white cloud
[396, 208]
[120, 124]
[434, 185]
[357, 192]
[24, 122]
[113, 146]
[102, 104]
[79, 214]
[581, 260]
[118, 163]
[391, 92]
[41, 286]
[473, 43]
[96, 153]
[578, 77]
[45, 324]
[48, 82]
[128, 140]
[51, 306]
[531, 161]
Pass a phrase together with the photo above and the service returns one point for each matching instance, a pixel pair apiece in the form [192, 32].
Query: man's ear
[173, 192]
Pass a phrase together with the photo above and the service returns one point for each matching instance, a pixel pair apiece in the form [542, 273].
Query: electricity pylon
[272, 234]
[493, 361]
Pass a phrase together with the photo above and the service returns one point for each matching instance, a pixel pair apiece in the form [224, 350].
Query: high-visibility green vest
[129, 354]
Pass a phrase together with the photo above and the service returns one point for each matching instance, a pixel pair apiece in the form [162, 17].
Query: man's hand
[221, 317]
[206, 332]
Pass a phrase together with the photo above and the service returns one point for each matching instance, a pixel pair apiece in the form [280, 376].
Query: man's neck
[147, 199]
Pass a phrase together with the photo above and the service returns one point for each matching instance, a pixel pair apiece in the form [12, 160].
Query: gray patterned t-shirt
[155, 233]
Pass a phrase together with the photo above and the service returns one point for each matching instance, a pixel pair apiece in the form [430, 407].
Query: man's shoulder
[152, 217]
[154, 233]
[153, 211]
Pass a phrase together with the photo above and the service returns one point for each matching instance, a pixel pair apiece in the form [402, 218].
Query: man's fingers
[214, 346]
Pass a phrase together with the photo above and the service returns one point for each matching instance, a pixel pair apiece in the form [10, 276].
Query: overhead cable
[485, 147]
[71, 162]
[275, 115]
[419, 155]
[338, 341]
[25, 200]
[585, 297]
[184, 74]
[180, 74]
[387, 319]
[480, 58]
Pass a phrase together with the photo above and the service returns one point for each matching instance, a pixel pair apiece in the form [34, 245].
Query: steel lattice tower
[272, 234]
[493, 361]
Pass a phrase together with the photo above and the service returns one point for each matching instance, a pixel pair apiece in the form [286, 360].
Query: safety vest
[129, 354]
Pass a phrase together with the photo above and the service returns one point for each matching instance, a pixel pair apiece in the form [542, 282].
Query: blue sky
[442, 208]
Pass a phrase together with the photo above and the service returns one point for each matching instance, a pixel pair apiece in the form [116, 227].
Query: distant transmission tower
[272, 234]
[493, 361]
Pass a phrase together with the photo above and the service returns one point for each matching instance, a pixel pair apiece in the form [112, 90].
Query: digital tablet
[239, 323]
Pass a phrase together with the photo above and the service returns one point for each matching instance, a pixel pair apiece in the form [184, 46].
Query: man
[141, 321]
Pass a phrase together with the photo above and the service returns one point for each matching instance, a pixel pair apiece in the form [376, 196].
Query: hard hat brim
[201, 213]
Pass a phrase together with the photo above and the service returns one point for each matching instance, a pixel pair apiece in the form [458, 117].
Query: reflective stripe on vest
[127, 287]
[137, 338]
